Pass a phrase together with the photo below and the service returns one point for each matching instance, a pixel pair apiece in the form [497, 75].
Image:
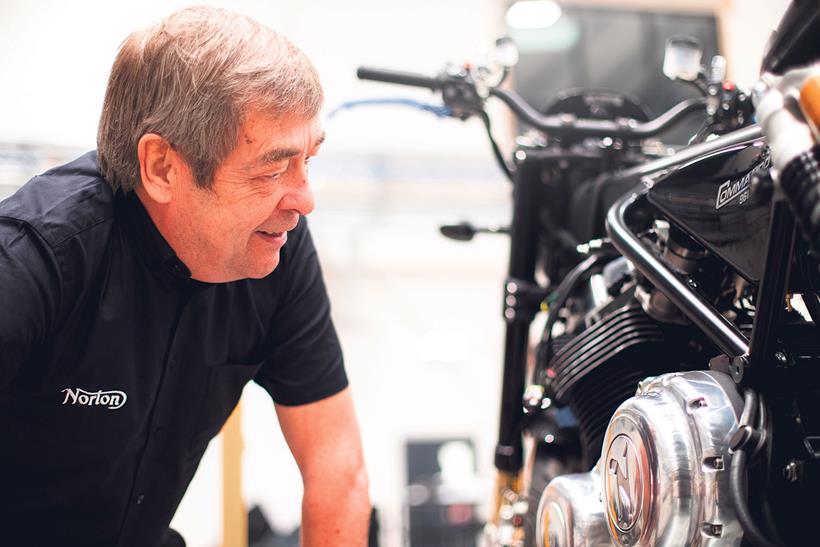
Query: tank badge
[730, 190]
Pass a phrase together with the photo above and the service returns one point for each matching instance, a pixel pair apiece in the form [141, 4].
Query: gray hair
[192, 78]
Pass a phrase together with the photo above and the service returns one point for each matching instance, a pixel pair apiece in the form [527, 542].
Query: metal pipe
[747, 134]
[722, 332]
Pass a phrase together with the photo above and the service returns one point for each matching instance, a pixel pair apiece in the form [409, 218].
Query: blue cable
[442, 111]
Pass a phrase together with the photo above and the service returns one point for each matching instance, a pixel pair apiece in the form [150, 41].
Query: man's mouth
[278, 238]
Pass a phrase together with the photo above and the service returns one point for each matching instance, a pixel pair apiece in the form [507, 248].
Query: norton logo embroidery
[110, 399]
[729, 190]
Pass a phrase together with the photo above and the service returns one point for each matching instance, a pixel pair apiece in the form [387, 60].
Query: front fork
[520, 307]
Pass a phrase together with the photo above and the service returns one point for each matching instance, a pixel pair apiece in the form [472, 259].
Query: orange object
[810, 100]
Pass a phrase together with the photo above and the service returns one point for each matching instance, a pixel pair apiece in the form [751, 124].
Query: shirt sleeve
[305, 362]
[29, 296]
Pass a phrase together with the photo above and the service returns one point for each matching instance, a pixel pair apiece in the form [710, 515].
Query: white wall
[56, 56]
[746, 28]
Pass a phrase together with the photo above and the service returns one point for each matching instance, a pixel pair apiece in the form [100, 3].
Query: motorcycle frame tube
[747, 134]
[771, 295]
[719, 329]
[523, 247]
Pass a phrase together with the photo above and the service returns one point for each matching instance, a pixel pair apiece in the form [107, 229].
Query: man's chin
[260, 271]
[259, 268]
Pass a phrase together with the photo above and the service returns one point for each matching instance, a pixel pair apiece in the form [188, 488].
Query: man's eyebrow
[279, 154]
[276, 154]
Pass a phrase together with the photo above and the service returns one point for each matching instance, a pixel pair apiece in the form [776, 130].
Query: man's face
[235, 229]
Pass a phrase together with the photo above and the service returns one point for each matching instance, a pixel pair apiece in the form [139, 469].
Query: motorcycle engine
[663, 476]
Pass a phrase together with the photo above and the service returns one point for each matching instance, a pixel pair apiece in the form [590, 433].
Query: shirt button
[159, 433]
[140, 499]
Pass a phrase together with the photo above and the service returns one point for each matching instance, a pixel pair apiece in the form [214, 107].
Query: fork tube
[523, 243]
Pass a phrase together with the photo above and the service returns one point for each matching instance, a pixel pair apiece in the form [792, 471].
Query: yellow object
[505, 483]
[234, 512]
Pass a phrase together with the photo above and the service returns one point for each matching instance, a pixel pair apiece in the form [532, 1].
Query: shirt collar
[158, 255]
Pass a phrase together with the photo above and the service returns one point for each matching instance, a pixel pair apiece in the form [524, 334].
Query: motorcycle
[672, 396]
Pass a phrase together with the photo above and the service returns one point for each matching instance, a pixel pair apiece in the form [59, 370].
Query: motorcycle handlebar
[570, 126]
[561, 125]
[398, 77]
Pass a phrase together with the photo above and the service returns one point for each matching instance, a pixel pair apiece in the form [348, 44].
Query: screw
[714, 462]
[737, 368]
[643, 385]
[793, 471]
[700, 402]
[533, 396]
[712, 530]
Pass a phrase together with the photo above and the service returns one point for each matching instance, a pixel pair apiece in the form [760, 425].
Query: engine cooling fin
[595, 371]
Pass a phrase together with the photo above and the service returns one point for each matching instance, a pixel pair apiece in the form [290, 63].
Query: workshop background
[419, 316]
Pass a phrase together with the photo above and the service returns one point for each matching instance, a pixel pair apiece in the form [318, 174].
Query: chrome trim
[747, 134]
[722, 332]
[571, 511]
[665, 463]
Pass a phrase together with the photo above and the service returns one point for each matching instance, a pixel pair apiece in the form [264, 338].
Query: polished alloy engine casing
[663, 476]
[570, 513]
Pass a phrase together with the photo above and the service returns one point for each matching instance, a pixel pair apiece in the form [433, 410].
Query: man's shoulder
[63, 202]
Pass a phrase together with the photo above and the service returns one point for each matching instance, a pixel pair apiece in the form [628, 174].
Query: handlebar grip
[398, 77]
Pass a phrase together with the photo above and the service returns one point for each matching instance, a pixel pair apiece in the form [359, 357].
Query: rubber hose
[749, 408]
[564, 291]
[800, 180]
[737, 483]
[764, 425]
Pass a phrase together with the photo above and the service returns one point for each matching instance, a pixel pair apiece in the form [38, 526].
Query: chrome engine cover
[664, 466]
[570, 513]
[663, 476]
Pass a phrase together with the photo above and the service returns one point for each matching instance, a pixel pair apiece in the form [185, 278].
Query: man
[142, 286]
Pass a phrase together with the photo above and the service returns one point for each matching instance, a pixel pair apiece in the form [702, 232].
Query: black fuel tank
[710, 199]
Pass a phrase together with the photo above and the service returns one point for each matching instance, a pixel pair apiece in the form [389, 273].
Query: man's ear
[160, 166]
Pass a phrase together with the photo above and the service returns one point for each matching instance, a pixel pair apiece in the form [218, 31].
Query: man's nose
[300, 195]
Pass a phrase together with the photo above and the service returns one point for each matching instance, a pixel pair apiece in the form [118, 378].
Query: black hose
[765, 426]
[563, 293]
[737, 487]
[737, 476]
[800, 181]
[749, 407]
[499, 157]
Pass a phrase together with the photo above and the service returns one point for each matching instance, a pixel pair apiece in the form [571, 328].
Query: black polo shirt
[117, 369]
